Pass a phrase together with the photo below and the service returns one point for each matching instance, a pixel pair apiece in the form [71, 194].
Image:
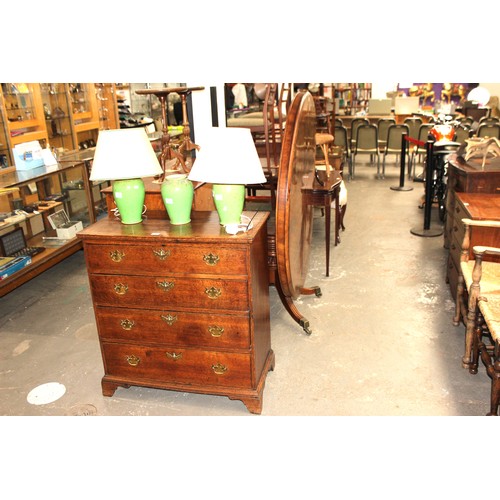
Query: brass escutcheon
[127, 324]
[169, 319]
[161, 254]
[211, 259]
[120, 288]
[165, 285]
[213, 293]
[219, 369]
[216, 331]
[133, 360]
[116, 255]
[174, 355]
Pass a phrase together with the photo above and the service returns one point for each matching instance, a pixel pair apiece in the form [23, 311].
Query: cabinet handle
[120, 289]
[165, 285]
[169, 319]
[213, 293]
[127, 324]
[174, 356]
[133, 360]
[219, 369]
[216, 331]
[116, 255]
[211, 259]
[161, 254]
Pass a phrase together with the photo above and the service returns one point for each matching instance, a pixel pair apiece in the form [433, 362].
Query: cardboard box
[65, 228]
[28, 155]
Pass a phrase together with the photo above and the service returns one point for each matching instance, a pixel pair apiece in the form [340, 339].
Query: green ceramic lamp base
[129, 197]
[229, 201]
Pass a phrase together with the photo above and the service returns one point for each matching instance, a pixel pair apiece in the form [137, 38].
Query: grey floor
[382, 340]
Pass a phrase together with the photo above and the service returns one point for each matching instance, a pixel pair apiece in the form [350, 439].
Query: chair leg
[459, 298]
[495, 382]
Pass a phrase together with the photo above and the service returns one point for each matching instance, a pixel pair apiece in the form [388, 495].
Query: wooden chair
[478, 304]
[264, 126]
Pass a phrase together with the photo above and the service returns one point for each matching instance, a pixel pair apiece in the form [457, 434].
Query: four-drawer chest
[184, 308]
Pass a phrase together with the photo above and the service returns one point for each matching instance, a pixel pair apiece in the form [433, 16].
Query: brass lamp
[125, 156]
[228, 159]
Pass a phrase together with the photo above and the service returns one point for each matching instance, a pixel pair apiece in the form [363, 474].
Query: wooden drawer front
[174, 327]
[456, 250]
[174, 258]
[195, 366]
[161, 291]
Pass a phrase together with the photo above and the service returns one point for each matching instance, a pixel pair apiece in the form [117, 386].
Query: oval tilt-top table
[290, 224]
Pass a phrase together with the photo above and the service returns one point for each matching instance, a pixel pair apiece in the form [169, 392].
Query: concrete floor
[382, 339]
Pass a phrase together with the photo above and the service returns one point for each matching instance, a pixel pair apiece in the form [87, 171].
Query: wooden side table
[323, 196]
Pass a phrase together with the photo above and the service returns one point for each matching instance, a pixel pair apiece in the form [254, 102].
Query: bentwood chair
[366, 144]
[394, 142]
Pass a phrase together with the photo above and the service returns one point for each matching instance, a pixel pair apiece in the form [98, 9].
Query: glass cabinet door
[83, 103]
[5, 158]
[57, 116]
[23, 113]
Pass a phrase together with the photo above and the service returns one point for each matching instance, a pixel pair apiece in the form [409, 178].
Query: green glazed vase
[177, 194]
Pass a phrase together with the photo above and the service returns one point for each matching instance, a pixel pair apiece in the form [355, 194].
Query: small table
[322, 196]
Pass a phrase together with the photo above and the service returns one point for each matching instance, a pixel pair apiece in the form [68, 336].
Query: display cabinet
[107, 106]
[44, 191]
[23, 115]
[5, 156]
[57, 116]
[84, 113]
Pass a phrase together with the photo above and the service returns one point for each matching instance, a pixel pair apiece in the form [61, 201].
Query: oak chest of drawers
[184, 308]
[476, 206]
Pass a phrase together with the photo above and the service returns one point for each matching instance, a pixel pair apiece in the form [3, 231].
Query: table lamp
[124, 156]
[228, 159]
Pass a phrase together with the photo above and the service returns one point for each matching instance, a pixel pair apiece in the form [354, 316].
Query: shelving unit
[65, 186]
[353, 97]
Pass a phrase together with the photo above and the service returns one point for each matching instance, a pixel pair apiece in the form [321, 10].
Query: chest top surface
[203, 228]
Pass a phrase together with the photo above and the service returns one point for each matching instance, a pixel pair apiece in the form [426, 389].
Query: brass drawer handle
[174, 356]
[169, 319]
[116, 255]
[219, 369]
[211, 259]
[120, 289]
[127, 324]
[165, 285]
[216, 331]
[161, 254]
[133, 360]
[213, 293]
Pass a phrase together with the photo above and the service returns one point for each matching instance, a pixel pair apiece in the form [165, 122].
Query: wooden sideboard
[476, 206]
[184, 308]
[468, 177]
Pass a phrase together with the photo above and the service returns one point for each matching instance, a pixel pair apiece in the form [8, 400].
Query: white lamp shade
[124, 154]
[481, 95]
[227, 156]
